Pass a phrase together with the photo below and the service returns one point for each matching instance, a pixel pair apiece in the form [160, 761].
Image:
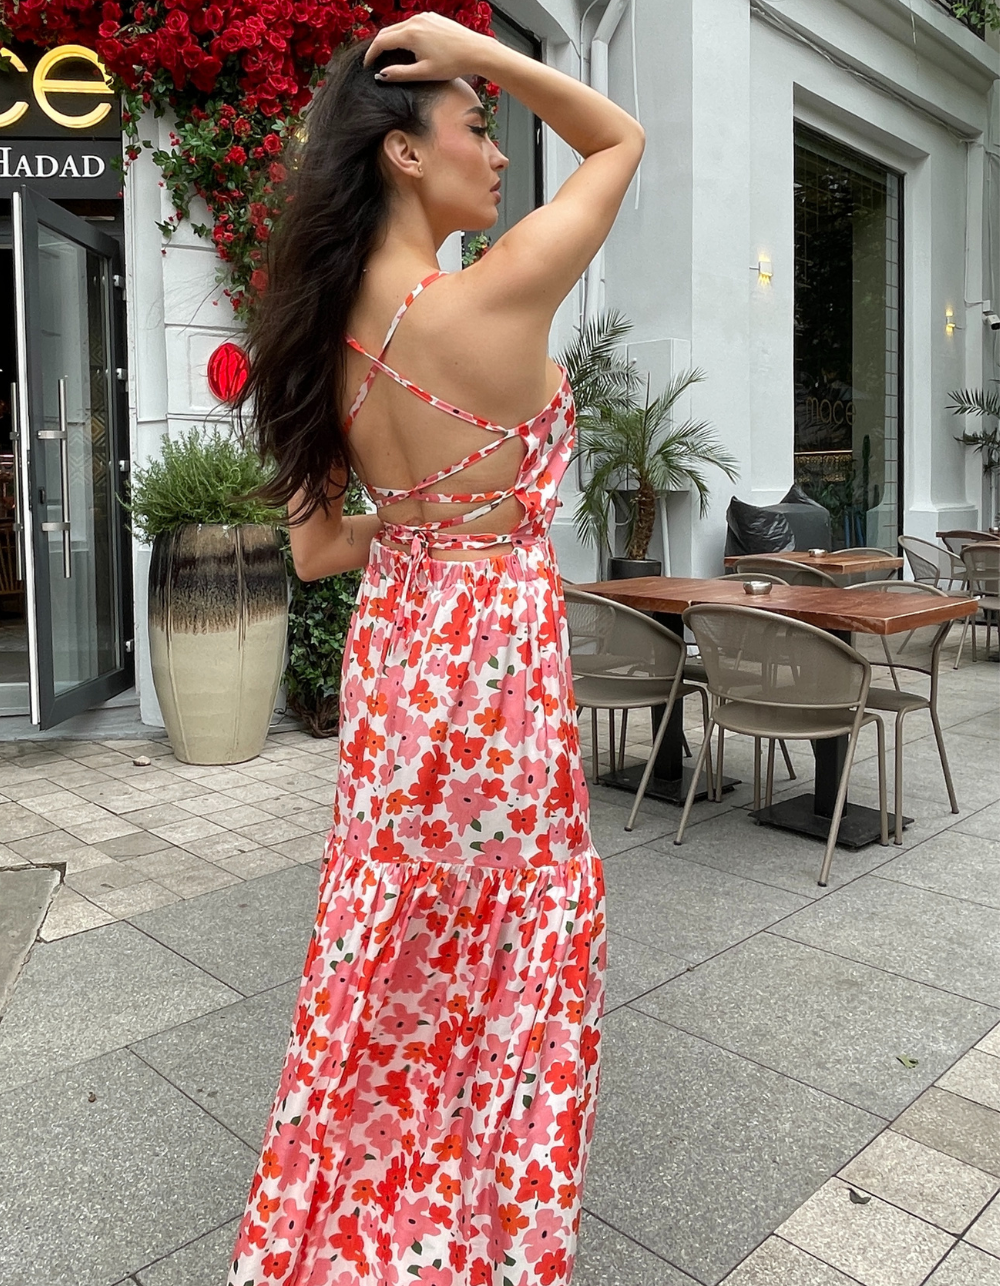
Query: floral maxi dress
[437, 1100]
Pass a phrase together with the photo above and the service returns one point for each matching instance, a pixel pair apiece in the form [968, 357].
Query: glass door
[70, 443]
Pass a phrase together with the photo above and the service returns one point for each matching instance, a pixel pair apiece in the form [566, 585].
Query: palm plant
[976, 401]
[634, 448]
[600, 373]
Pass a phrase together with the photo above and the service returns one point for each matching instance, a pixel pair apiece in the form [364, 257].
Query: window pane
[847, 332]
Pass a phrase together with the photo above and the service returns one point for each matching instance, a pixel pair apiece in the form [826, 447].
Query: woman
[437, 1101]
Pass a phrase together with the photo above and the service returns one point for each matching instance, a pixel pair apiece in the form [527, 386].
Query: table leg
[671, 780]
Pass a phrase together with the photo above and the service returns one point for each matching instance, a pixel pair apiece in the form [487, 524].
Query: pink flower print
[382, 1134]
[534, 1127]
[492, 1056]
[400, 1020]
[546, 1232]
[358, 836]
[531, 782]
[409, 971]
[408, 733]
[431, 1276]
[290, 1223]
[412, 1220]
[501, 853]
[464, 801]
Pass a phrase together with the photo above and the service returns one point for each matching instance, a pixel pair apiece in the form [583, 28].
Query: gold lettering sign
[14, 113]
[44, 83]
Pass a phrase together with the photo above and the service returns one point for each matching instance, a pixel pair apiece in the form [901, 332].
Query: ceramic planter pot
[633, 568]
[218, 620]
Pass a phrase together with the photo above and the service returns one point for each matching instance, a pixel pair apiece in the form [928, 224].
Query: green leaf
[417, 1248]
[527, 1100]
[907, 1062]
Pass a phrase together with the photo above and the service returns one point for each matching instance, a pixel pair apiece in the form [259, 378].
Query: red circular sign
[228, 368]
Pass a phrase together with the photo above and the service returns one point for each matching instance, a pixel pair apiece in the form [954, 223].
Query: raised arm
[538, 261]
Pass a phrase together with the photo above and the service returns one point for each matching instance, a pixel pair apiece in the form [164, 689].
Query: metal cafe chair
[791, 573]
[862, 578]
[956, 541]
[932, 564]
[694, 669]
[906, 656]
[623, 660]
[982, 570]
[776, 678]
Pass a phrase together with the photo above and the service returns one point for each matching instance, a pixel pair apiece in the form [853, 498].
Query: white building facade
[815, 225]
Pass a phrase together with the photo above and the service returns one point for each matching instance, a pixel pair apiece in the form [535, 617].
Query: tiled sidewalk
[753, 1036]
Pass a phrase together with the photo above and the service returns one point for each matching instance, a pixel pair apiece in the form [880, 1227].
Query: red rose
[272, 144]
[235, 156]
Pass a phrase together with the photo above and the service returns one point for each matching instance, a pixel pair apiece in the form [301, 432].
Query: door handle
[15, 441]
[61, 435]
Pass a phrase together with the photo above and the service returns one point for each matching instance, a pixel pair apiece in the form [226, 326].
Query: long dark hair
[338, 205]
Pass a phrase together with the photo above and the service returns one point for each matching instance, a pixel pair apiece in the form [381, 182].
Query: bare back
[449, 345]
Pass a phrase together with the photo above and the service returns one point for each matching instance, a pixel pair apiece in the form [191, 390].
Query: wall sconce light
[950, 324]
[763, 270]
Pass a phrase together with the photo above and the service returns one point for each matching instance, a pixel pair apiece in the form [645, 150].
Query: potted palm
[633, 452]
[986, 405]
[218, 595]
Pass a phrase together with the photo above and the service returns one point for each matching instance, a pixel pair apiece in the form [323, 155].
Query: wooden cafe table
[841, 611]
[835, 562]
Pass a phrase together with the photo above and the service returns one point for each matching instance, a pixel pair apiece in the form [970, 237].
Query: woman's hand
[444, 50]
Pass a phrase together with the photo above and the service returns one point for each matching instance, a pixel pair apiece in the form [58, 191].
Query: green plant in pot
[218, 595]
[633, 452]
[977, 401]
[319, 618]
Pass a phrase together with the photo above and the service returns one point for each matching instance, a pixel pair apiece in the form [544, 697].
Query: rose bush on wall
[236, 74]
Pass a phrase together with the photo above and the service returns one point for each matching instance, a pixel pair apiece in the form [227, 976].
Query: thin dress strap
[376, 362]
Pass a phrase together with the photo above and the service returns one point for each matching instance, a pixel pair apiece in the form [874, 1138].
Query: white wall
[177, 315]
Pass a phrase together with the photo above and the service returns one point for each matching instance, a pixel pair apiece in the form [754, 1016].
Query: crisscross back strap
[376, 362]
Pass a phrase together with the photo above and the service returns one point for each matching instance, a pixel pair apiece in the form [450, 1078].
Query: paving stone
[98, 881]
[229, 1061]
[157, 816]
[984, 822]
[835, 1024]
[307, 848]
[225, 844]
[634, 968]
[94, 832]
[138, 898]
[82, 996]
[607, 1258]
[963, 866]
[954, 1125]
[985, 1232]
[208, 805]
[192, 828]
[257, 862]
[683, 908]
[183, 873]
[252, 936]
[135, 844]
[875, 1243]
[24, 901]
[733, 842]
[921, 1180]
[990, 1043]
[17, 822]
[944, 941]
[276, 830]
[692, 1138]
[967, 1266]
[778, 1263]
[976, 1077]
[71, 913]
[204, 1262]
[240, 815]
[144, 1168]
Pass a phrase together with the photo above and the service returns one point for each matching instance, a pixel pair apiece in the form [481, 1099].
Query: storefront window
[847, 339]
[519, 137]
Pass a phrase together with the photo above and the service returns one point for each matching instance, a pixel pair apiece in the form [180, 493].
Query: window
[519, 137]
[847, 339]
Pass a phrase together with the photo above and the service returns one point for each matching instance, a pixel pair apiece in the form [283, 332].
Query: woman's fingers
[408, 71]
[394, 37]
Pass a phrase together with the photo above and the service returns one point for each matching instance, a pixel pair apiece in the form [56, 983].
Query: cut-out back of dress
[548, 439]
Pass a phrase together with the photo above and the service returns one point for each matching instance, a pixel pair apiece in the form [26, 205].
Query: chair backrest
[982, 566]
[915, 650]
[930, 563]
[766, 659]
[792, 573]
[625, 650]
[745, 576]
[957, 540]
